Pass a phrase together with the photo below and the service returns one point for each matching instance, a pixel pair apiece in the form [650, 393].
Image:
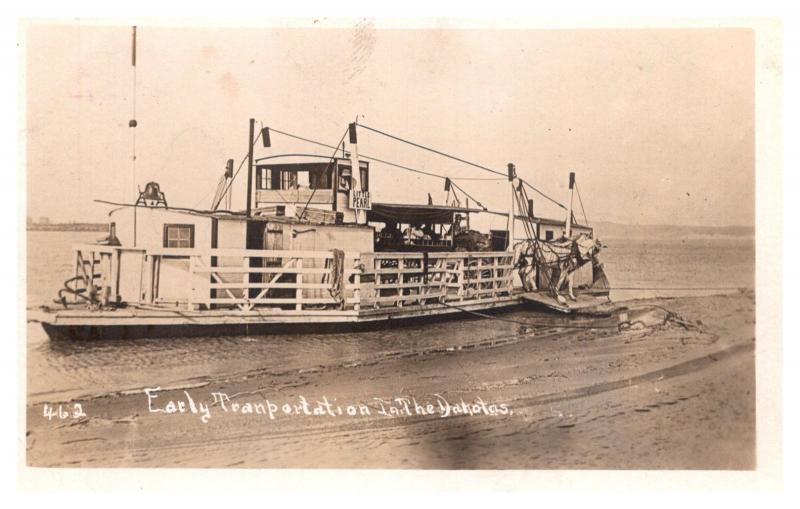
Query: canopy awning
[415, 214]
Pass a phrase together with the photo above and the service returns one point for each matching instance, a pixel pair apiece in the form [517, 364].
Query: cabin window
[548, 235]
[344, 182]
[179, 235]
[267, 178]
[320, 179]
[263, 175]
[303, 179]
[288, 180]
[261, 178]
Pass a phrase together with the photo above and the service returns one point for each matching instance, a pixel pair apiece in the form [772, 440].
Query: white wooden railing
[302, 280]
[402, 278]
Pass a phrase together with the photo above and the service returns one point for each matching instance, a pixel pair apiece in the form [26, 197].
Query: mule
[558, 259]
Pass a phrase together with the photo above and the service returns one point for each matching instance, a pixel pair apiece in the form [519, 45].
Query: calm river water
[61, 370]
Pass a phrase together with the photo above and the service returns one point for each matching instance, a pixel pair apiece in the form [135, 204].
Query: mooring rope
[669, 317]
[699, 288]
[527, 323]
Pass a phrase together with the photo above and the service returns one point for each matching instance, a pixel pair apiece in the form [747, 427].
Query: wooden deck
[153, 316]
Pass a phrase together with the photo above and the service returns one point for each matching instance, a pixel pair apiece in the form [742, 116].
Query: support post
[78, 262]
[115, 261]
[355, 179]
[250, 167]
[246, 282]
[151, 278]
[357, 287]
[569, 204]
[193, 291]
[298, 293]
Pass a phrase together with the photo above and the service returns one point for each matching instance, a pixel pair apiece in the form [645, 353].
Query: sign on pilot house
[360, 200]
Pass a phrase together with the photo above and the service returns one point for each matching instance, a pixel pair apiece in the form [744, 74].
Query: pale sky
[657, 124]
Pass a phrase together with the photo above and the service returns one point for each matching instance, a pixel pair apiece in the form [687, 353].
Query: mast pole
[512, 174]
[132, 124]
[467, 214]
[250, 168]
[569, 203]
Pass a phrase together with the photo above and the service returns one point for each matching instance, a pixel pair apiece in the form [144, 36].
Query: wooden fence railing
[300, 280]
[402, 278]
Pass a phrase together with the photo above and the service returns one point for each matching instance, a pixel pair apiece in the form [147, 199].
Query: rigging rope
[581, 202]
[432, 150]
[389, 163]
[467, 195]
[544, 195]
[227, 189]
[375, 159]
[327, 169]
[479, 166]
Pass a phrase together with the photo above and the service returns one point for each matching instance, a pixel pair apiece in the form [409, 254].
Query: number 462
[63, 413]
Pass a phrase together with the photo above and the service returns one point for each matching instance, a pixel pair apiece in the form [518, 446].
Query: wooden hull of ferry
[131, 323]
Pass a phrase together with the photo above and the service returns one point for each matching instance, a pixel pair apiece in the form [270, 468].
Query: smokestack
[569, 204]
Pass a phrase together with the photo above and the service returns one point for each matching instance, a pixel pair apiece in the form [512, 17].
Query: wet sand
[655, 396]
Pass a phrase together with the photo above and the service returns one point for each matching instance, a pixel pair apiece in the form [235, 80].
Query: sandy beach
[672, 394]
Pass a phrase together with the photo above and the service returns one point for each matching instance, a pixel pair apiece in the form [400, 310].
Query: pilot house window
[288, 180]
[267, 178]
[179, 235]
[317, 176]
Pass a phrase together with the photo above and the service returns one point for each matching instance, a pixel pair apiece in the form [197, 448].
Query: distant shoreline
[602, 229]
[68, 227]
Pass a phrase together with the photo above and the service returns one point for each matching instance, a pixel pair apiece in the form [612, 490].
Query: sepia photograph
[367, 244]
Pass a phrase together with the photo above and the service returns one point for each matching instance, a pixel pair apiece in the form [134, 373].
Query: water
[692, 262]
[61, 370]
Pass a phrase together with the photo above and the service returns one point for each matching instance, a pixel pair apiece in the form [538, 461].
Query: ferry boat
[315, 249]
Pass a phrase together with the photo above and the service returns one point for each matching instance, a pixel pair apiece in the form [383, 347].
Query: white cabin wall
[124, 224]
[131, 276]
[150, 223]
[327, 237]
[173, 281]
[560, 231]
[231, 234]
